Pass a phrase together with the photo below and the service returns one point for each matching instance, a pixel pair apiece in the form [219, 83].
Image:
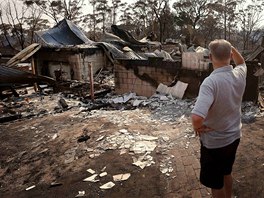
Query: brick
[183, 152]
[138, 83]
[174, 185]
[196, 194]
[197, 173]
[176, 152]
[172, 195]
[125, 86]
[181, 177]
[134, 81]
[129, 80]
[130, 75]
[190, 172]
[205, 192]
[196, 164]
[179, 165]
[188, 160]
[193, 184]
[148, 93]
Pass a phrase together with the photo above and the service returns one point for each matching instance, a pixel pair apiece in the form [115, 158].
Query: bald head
[220, 50]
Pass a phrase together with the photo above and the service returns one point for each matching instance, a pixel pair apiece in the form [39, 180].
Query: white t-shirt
[219, 103]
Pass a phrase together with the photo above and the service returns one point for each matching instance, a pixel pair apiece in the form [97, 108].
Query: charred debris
[67, 70]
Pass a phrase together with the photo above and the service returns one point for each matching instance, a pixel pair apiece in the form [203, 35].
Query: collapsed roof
[120, 45]
[128, 37]
[64, 33]
[10, 76]
[255, 53]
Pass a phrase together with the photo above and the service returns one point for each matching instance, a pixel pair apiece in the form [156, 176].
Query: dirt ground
[41, 150]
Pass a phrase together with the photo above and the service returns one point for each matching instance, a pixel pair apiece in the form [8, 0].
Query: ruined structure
[139, 66]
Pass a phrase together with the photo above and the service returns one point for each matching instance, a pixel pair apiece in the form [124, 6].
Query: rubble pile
[123, 111]
[250, 112]
[163, 107]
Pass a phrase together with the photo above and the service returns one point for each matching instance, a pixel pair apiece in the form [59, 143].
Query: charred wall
[252, 85]
[143, 77]
[73, 62]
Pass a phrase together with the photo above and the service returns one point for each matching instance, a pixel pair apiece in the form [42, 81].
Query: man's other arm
[197, 122]
[237, 57]
[198, 126]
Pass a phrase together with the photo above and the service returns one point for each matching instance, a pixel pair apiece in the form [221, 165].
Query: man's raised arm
[237, 57]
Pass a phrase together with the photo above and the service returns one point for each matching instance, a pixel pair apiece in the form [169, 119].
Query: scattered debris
[54, 136]
[100, 138]
[102, 174]
[259, 72]
[31, 187]
[80, 194]
[91, 178]
[166, 165]
[94, 155]
[8, 118]
[91, 171]
[121, 177]
[63, 103]
[83, 138]
[124, 98]
[143, 161]
[108, 185]
[261, 102]
[103, 169]
[143, 147]
[177, 90]
[70, 155]
[250, 111]
[55, 184]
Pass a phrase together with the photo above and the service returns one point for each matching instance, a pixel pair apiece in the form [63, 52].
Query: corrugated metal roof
[126, 36]
[130, 40]
[14, 76]
[256, 52]
[115, 53]
[65, 33]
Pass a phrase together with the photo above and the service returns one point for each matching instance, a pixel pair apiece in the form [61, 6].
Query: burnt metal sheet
[255, 54]
[24, 54]
[114, 53]
[126, 36]
[111, 38]
[14, 76]
[64, 33]
[132, 42]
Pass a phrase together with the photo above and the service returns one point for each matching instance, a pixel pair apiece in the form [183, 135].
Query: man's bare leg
[228, 184]
[218, 193]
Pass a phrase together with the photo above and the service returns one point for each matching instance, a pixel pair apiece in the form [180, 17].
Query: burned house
[139, 66]
[142, 66]
[255, 73]
[66, 52]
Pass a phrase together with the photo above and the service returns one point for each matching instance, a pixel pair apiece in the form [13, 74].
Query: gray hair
[220, 49]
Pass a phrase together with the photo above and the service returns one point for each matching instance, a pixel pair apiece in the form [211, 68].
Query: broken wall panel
[143, 77]
[64, 33]
[73, 62]
[195, 61]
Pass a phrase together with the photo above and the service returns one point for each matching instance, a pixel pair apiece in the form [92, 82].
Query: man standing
[216, 117]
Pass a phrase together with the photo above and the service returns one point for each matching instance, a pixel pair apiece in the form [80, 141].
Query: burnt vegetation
[200, 21]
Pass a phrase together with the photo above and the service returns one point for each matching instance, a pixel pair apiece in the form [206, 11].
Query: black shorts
[215, 163]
